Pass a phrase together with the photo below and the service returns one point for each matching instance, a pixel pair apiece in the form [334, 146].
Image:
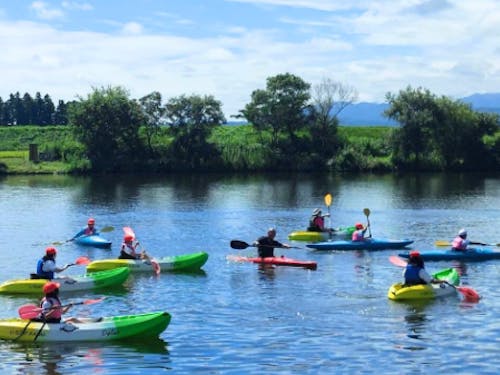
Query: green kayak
[101, 329]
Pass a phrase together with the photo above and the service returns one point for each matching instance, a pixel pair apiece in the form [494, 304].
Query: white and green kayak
[102, 329]
[88, 281]
[186, 262]
[310, 236]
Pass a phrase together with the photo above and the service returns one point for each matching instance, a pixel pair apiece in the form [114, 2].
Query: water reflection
[57, 358]
[416, 319]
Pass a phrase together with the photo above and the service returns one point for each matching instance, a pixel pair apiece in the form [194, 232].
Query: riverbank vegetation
[291, 127]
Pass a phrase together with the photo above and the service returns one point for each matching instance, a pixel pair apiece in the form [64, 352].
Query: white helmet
[462, 232]
[316, 212]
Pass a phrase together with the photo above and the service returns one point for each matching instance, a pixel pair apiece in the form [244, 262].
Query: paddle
[80, 261]
[448, 243]
[328, 202]
[241, 245]
[469, 294]
[366, 211]
[154, 263]
[31, 311]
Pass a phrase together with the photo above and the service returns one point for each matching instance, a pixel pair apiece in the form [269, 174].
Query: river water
[234, 318]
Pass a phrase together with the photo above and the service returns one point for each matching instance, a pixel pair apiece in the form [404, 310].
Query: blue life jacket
[411, 275]
[40, 272]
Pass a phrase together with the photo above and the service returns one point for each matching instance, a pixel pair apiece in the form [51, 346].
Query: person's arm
[425, 276]
[79, 234]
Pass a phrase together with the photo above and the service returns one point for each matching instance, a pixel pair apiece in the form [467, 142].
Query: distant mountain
[362, 114]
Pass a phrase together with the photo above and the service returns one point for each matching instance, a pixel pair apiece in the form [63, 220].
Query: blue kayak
[94, 241]
[472, 254]
[366, 244]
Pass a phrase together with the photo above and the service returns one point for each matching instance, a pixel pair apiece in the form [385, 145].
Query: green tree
[414, 110]
[329, 98]
[60, 116]
[153, 113]
[191, 119]
[107, 123]
[282, 108]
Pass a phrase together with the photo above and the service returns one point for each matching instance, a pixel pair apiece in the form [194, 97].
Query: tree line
[27, 110]
[292, 125]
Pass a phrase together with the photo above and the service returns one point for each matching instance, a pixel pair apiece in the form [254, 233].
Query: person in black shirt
[266, 244]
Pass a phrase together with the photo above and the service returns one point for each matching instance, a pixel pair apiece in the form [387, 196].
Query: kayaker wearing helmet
[52, 309]
[317, 221]
[359, 233]
[460, 242]
[128, 249]
[89, 230]
[266, 244]
[46, 266]
[415, 273]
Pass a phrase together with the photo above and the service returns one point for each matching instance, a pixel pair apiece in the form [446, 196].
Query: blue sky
[227, 48]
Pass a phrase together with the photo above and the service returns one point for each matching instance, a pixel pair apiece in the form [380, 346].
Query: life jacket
[411, 275]
[89, 231]
[459, 244]
[358, 235]
[55, 314]
[128, 249]
[40, 272]
[316, 224]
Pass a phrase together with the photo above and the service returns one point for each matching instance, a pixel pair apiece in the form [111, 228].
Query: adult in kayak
[46, 266]
[51, 305]
[89, 230]
[415, 273]
[359, 233]
[266, 244]
[317, 222]
[460, 242]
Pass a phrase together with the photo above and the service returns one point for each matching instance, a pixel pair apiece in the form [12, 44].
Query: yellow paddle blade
[366, 212]
[328, 200]
[442, 243]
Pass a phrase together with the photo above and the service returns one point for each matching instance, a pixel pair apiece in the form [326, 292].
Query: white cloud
[132, 28]
[77, 5]
[452, 50]
[43, 11]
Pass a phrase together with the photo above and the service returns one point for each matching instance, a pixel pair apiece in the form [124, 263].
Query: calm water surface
[235, 318]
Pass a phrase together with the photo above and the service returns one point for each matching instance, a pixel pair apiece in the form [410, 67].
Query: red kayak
[277, 261]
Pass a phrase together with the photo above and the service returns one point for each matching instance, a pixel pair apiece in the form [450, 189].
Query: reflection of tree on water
[93, 357]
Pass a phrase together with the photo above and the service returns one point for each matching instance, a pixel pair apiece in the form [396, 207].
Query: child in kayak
[359, 233]
[89, 230]
[52, 309]
[415, 273]
[128, 249]
[46, 266]
[317, 222]
[460, 242]
[266, 244]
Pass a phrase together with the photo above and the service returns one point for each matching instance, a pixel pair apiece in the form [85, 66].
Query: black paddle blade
[240, 245]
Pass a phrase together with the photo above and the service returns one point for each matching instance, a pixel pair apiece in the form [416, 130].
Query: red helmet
[51, 251]
[91, 221]
[359, 226]
[50, 287]
[414, 254]
[128, 238]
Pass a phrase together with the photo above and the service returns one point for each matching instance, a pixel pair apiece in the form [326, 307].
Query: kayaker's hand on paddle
[286, 246]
